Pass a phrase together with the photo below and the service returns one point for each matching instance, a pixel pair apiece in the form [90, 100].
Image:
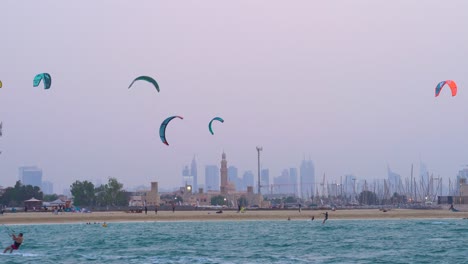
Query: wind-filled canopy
[162, 128]
[45, 78]
[147, 79]
[0, 84]
[217, 119]
[450, 83]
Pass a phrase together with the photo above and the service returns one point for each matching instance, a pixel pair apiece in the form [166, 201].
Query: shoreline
[227, 215]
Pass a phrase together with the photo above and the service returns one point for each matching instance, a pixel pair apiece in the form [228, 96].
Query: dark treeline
[110, 194]
[15, 196]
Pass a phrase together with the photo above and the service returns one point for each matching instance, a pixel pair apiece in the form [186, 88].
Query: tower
[307, 175]
[194, 173]
[30, 175]
[224, 174]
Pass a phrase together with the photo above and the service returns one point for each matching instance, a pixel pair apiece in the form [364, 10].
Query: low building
[152, 196]
[33, 204]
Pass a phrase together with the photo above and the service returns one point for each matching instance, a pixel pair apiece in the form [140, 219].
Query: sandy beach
[44, 218]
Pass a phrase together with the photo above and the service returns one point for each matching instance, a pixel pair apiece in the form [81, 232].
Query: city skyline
[345, 83]
[393, 178]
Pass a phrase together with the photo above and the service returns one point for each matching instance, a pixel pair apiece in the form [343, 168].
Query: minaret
[224, 174]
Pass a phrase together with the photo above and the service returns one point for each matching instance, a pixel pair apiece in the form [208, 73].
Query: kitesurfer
[17, 241]
[326, 217]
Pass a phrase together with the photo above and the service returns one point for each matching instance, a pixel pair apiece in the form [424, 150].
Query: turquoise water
[338, 241]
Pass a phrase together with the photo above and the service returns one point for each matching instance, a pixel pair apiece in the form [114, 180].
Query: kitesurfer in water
[326, 217]
[17, 243]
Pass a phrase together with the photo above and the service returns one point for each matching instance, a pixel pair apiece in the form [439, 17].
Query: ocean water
[295, 241]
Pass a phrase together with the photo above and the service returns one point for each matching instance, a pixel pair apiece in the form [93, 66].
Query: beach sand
[207, 215]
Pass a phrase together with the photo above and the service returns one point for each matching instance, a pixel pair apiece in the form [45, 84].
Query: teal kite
[162, 128]
[45, 78]
[148, 79]
[217, 119]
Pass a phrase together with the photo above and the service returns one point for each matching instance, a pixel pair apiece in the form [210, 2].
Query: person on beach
[326, 217]
[173, 208]
[146, 210]
[155, 209]
[17, 240]
[300, 207]
[312, 218]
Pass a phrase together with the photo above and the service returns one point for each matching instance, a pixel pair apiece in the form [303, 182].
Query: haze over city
[344, 83]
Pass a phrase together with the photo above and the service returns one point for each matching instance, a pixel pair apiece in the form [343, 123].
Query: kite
[450, 83]
[0, 84]
[162, 128]
[148, 79]
[217, 119]
[45, 78]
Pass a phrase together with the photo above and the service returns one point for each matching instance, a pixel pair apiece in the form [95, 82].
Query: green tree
[29, 191]
[218, 200]
[50, 197]
[83, 193]
[15, 196]
[111, 194]
[101, 197]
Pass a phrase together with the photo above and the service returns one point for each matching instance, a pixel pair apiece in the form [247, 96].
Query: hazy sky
[348, 83]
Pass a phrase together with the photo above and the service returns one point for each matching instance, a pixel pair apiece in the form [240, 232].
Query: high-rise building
[293, 180]
[47, 187]
[394, 180]
[307, 175]
[232, 174]
[186, 171]
[265, 180]
[30, 175]
[194, 173]
[462, 177]
[282, 184]
[224, 174]
[248, 179]
[212, 178]
[187, 178]
[349, 187]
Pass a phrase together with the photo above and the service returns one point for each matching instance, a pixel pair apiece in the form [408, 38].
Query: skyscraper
[265, 180]
[462, 176]
[224, 174]
[248, 179]
[349, 185]
[232, 174]
[394, 180]
[30, 175]
[293, 180]
[283, 183]
[212, 178]
[47, 187]
[186, 171]
[187, 178]
[307, 174]
[194, 173]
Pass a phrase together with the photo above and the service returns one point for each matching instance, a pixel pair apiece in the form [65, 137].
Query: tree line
[110, 194]
[15, 196]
